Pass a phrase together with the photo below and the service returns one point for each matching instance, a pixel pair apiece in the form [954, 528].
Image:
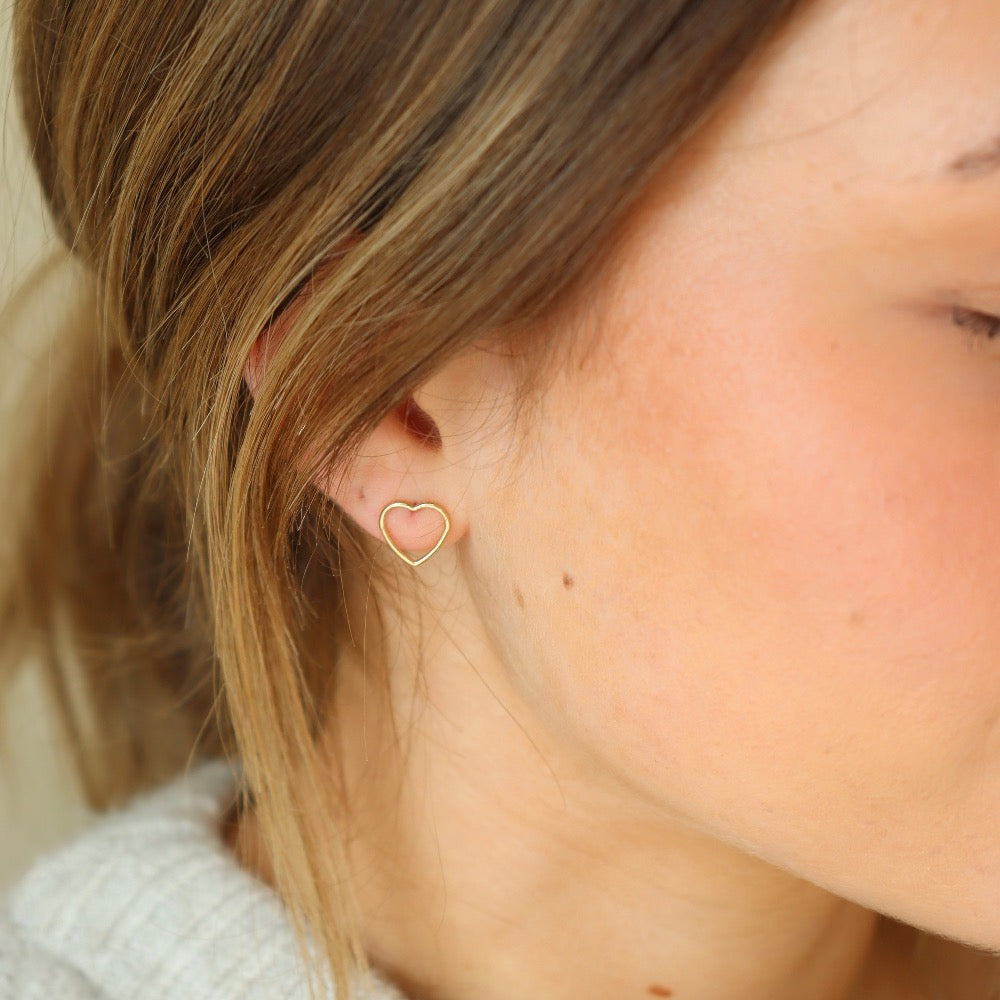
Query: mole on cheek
[567, 581]
[660, 991]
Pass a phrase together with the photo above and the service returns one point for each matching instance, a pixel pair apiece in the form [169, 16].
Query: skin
[711, 671]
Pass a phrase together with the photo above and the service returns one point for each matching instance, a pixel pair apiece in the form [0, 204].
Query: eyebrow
[979, 162]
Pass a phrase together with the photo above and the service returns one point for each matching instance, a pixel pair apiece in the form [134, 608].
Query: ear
[424, 451]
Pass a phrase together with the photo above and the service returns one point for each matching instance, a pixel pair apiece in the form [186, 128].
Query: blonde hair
[455, 169]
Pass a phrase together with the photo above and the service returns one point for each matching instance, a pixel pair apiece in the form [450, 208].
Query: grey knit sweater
[150, 903]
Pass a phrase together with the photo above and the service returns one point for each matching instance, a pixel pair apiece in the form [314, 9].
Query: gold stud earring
[413, 507]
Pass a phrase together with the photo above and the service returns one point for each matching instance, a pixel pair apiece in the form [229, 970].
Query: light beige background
[39, 803]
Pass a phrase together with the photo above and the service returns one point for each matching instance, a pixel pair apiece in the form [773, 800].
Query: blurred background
[39, 801]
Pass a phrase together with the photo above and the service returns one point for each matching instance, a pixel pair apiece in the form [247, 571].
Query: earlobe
[400, 460]
[398, 486]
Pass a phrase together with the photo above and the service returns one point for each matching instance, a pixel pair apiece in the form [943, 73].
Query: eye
[978, 324]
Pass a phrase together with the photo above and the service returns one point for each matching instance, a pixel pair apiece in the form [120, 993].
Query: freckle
[567, 581]
[660, 991]
[519, 596]
[857, 619]
[361, 493]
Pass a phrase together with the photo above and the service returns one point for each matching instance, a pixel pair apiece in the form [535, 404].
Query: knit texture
[150, 903]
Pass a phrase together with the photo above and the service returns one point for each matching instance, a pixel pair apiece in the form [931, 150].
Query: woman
[551, 450]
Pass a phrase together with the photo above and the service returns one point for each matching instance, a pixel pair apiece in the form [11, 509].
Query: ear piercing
[413, 507]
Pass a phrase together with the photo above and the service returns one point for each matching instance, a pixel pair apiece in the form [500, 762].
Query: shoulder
[151, 902]
[136, 904]
[54, 919]
[29, 972]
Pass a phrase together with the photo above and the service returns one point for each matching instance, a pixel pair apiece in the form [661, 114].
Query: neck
[493, 858]
[493, 861]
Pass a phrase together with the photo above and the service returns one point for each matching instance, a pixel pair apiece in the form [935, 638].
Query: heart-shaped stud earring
[413, 507]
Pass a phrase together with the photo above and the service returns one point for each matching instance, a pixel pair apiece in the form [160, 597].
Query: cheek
[783, 624]
[823, 552]
[861, 516]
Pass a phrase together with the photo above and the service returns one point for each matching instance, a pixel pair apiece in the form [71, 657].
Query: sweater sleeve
[29, 972]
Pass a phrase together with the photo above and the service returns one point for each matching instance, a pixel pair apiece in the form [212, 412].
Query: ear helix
[446, 527]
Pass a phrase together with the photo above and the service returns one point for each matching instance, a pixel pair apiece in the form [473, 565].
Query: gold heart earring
[413, 507]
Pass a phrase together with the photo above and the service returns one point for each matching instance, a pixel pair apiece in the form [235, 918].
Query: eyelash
[978, 324]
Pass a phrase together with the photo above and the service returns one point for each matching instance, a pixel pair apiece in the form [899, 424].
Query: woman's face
[752, 565]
